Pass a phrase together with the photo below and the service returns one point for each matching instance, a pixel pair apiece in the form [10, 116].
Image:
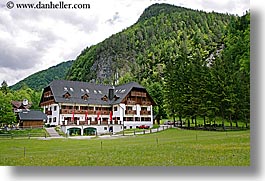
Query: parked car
[168, 123]
[143, 127]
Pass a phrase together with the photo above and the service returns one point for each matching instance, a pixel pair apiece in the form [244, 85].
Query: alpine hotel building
[93, 108]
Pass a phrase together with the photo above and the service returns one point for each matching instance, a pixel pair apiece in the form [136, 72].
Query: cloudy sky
[32, 39]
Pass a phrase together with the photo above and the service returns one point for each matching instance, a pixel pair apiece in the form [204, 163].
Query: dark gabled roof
[95, 92]
[19, 105]
[123, 90]
[33, 115]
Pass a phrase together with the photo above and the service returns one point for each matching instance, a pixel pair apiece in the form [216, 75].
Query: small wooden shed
[31, 119]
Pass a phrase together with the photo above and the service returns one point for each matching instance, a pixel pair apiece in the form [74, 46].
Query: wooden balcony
[86, 123]
[83, 122]
[104, 122]
[93, 123]
[145, 112]
[77, 111]
[66, 111]
[70, 111]
[104, 112]
[146, 103]
[47, 101]
[138, 94]
[130, 102]
[130, 111]
[90, 112]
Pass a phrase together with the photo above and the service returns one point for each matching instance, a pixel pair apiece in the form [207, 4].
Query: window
[128, 108]
[54, 119]
[55, 108]
[123, 90]
[105, 128]
[85, 97]
[128, 118]
[105, 98]
[144, 108]
[66, 95]
[115, 108]
[83, 107]
[64, 107]
[91, 108]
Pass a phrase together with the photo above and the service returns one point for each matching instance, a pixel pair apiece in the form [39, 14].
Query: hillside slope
[137, 52]
[39, 80]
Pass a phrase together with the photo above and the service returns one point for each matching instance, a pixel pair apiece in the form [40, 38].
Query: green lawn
[172, 147]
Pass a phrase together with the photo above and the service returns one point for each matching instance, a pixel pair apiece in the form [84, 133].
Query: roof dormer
[67, 95]
[104, 98]
[85, 97]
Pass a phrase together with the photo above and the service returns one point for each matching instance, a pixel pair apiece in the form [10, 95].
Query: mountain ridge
[40, 79]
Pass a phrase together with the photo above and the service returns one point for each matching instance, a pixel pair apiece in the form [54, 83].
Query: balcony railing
[145, 112]
[130, 102]
[104, 112]
[146, 103]
[138, 94]
[84, 123]
[70, 111]
[104, 122]
[130, 111]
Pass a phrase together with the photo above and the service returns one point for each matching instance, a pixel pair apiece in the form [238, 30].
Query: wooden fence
[23, 136]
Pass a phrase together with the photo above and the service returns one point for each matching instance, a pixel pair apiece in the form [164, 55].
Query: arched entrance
[74, 131]
[89, 131]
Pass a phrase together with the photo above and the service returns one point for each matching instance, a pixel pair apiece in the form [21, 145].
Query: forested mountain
[39, 80]
[137, 52]
[193, 63]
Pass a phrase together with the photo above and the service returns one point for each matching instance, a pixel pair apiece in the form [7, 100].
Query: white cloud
[33, 40]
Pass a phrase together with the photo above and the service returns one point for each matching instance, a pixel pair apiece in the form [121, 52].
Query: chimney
[111, 93]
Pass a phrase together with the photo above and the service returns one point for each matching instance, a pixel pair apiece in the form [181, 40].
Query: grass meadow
[172, 147]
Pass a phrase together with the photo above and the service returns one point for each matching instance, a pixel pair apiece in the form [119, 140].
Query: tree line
[218, 88]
